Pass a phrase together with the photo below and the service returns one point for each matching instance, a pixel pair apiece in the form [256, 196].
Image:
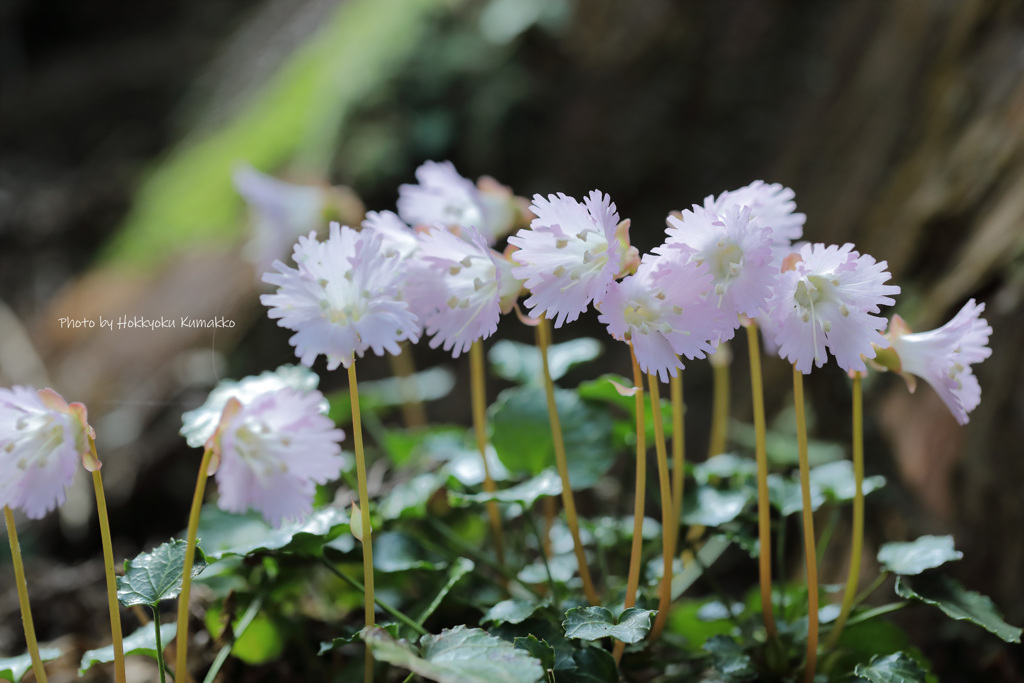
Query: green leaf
[539, 649]
[458, 655]
[786, 495]
[590, 665]
[521, 434]
[458, 570]
[730, 660]
[156, 575]
[926, 552]
[594, 623]
[14, 668]
[394, 551]
[520, 363]
[409, 499]
[957, 602]
[225, 534]
[894, 668]
[604, 390]
[142, 642]
[724, 466]
[837, 482]
[511, 611]
[405, 446]
[781, 447]
[547, 483]
[709, 506]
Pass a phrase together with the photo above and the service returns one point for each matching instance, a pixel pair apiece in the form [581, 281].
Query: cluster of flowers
[431, 268]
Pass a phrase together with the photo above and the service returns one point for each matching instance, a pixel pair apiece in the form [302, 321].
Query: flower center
[725, 261]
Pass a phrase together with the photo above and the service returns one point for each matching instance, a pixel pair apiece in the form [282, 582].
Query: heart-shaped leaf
[156, 575]
[894, 668]
[458, 655]
[142, 642]
[594, 623]
[225, 534]
[926, 552]
[520, 363]
[511, 611]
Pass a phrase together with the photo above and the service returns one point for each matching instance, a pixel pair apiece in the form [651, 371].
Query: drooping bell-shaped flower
[943, 357]
[443, 197]
[737, 250]
[772, 204]
[343, 298]
[825, 299]
[663, 310]
[570, 255]
[270, 452]
[42, 440]
[463, 289]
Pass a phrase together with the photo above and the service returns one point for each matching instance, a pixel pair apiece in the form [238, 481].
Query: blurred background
[898, 123]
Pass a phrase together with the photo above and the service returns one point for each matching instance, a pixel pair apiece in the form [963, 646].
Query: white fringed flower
[772, 204]
[463, 289]
[943, 357]
[738, 252]
[344, 298]
[570, 254]
[443, 197]
[825, 298]
[271, 452]
[663, 311]
[42, 440]
[396, 236]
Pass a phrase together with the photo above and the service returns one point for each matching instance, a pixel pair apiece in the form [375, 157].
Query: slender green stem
[461, 546]
[409, 677]
[764, 511]
[543, 330]
[857, 548]
[225, 650]
[181, 661]
[108, 567]
[826, 534]
[635, 560]
[402, 617]
[808, 518]
[866, 593]
[552, 586]
[678, 444]
[22, 588]
[364, 512]
[720, 361]
[159, 645]
[479, 396]
[669, 522]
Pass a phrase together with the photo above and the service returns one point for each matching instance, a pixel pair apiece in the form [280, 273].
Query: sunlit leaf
[926, 552]
[512, 611]
[224, 534]
[786, 494]
[14, 668]
[894, 668]
[730, 660]
[142, 642]
[156, 575]
[594, 623]
[547, 483]
[709, 506]
[408, 499]
[957, 602]
[520, 363]
[458, 655]
[836, 481]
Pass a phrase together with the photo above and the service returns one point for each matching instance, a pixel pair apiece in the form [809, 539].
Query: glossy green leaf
[225, 534]
[511, 611]
[729, 659]
[520, 363]
[156, 575]
[724, 466]
[957, 602]
[605, 389]
[594, 623]
[926, 552]
[894, 668]
[14, 668]
[459, 569]
[458, 655]
[547, 483]
[590, 665]
[521, 434]
[709, 506]
[538, 649]
[786, 495]
[408, 499]
[836, 481]
[395, 551]
[142, 642]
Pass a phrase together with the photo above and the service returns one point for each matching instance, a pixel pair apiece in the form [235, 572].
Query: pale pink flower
[737, 250]
[664, 312]
[396, 236]
[825, 298]
[570, 254]
[42, 440]
[270, 453]
[344, 298]
[443, 197]
[282, 211]
[463, 290]
[772, 204]
[942, 357]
